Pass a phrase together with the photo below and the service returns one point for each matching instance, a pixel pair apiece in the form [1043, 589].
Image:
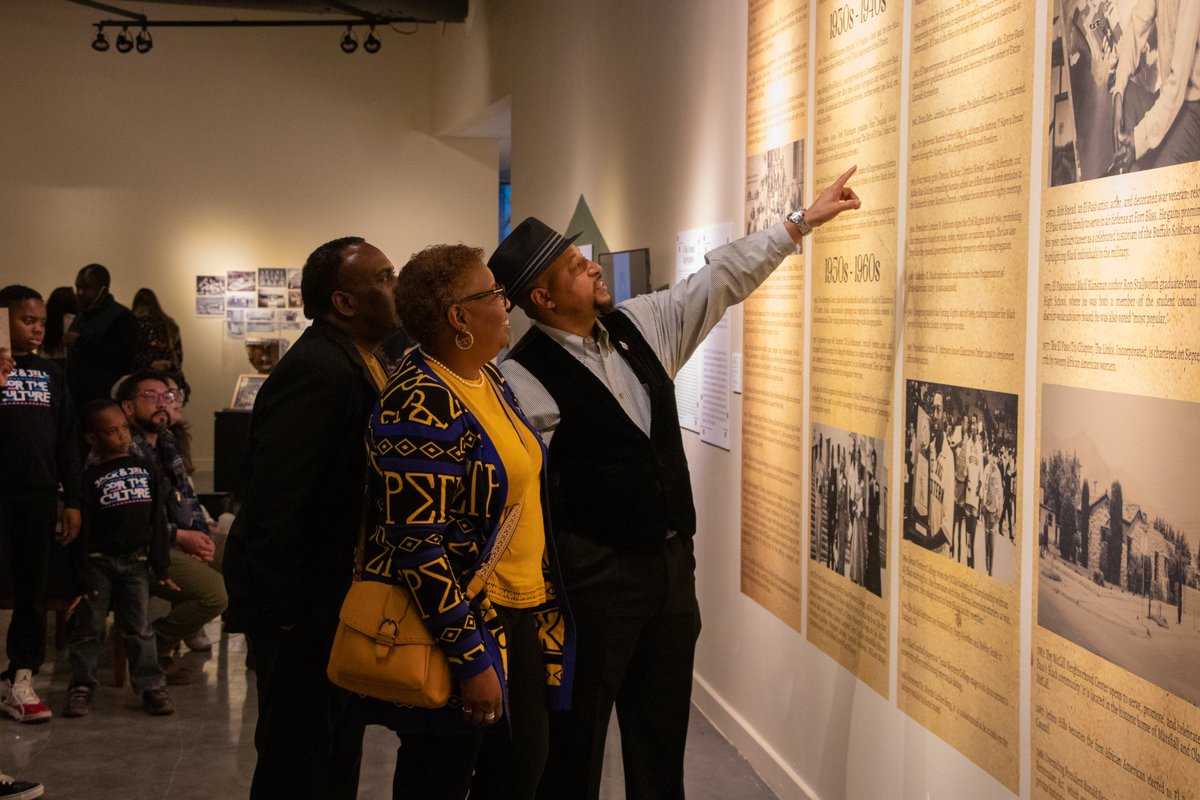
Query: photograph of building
[1118, 534]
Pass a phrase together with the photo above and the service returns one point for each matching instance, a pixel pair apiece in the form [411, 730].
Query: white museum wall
[227, 149]
[640, 108]
[220, 149]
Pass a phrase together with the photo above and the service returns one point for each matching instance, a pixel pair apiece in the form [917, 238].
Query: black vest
[608, 481]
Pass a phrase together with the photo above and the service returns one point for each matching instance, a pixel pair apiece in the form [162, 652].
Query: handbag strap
[511, 515]
[508, 526]
[360, 549]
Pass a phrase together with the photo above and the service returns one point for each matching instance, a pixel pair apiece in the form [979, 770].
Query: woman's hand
[483, 702]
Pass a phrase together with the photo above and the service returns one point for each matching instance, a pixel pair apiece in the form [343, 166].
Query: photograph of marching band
[774, 185]
[1119, 531]
[848, 506]
[960, 478]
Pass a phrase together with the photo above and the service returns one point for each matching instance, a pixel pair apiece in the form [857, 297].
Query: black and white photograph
[289, 319]
[210, 285]
[275, 277]
[246, 390]
[235, 324]
[208, 306]
[241, 300]
[240, 280]
[961, 473]
[848, 506]
[774, 185]
[293, 277]
[294, 299]
[1119, 531]
[1123, 83]
[260, 320]
[271, 297]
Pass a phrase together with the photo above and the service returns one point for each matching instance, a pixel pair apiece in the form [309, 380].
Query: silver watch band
[797, 219]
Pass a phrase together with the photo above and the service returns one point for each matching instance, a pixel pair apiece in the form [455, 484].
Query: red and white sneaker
[18, 698]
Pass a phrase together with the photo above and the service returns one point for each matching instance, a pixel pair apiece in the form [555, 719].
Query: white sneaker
[21, 701]
[199, 642]
[13, 789]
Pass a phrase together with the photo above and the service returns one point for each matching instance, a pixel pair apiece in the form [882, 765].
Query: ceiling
[423, 10]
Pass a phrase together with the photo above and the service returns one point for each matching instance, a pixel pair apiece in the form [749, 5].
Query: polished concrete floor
[206, 750]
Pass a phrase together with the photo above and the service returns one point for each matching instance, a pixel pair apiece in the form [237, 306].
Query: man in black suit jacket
[102, 341]
[290, 554]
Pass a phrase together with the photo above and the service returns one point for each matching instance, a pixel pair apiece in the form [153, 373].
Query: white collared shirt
[673, 321]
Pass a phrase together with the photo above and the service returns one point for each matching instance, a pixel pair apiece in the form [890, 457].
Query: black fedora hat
[525, 253]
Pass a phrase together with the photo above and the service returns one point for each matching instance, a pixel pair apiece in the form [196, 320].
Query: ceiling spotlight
[124, 41]
[100, 43]
[372, 44]
[349, 43]
[143, 41]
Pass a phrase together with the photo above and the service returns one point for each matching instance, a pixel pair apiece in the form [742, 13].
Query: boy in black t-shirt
[123, 539]
[37, 429]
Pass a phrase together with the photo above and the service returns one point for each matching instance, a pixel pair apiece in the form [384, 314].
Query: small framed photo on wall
[246, 389]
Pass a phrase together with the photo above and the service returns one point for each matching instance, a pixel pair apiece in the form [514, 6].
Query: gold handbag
[382, 648]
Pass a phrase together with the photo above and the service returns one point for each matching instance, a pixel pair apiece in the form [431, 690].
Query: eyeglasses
[168, 397]
[495, 291]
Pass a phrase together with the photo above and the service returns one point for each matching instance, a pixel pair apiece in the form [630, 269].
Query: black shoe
[175, 672]
[79, 702]
[157, 702]
[13, 789]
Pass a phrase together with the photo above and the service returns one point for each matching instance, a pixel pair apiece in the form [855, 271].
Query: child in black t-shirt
[123, 539]
[37, 432]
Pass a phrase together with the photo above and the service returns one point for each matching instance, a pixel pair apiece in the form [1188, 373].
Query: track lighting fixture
[372, 44]
[124, 41]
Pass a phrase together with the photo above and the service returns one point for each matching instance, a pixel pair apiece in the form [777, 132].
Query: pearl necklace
[475, 384]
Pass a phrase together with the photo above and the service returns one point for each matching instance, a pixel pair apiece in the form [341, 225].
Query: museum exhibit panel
[944, 458]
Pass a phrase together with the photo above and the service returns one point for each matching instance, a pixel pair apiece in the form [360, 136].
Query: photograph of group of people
[961, 475]
[848, 506]
[1119, 531]
[228, 295]
[774, 185]
[1125, 78]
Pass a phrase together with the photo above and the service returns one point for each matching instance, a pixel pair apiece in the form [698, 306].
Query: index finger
[840, 182]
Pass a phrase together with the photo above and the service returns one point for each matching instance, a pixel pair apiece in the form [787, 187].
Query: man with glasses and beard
[146, 399]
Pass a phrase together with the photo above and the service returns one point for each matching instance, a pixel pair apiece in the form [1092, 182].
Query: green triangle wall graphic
[583, 223]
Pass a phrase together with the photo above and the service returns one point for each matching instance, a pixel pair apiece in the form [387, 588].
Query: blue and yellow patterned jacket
[439, 488]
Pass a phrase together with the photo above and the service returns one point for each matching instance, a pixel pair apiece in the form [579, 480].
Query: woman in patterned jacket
[454, 462]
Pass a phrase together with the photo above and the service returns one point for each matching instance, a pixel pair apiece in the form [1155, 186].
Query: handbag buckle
[385, 641]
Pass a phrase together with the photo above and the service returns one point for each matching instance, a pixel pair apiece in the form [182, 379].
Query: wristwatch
[797, 219]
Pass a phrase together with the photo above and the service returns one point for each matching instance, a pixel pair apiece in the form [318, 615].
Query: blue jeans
[123, 581]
